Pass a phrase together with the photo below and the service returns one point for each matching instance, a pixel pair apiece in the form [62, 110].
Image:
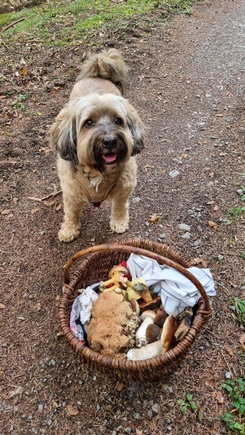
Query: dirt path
[188, 84]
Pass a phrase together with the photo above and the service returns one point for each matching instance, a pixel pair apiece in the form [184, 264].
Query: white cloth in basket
[177, 292]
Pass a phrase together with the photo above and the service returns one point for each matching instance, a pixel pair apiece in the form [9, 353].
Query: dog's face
[98, 131]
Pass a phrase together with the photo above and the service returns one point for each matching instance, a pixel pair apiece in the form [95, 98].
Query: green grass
[234, 420]
[62, 22]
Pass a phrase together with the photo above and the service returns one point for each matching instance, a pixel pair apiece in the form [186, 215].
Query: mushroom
[185, 324]
[152, 333]
[151, 350]
[135, 306]
[118, 268]
[116, 278]
[151, 305]
[160, 318]
[169, 328]
[138, 285]
[147, 319]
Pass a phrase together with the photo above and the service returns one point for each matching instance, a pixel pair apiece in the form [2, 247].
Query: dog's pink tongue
[109, 158]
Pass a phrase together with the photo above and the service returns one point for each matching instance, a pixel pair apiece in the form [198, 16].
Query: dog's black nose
[109, 142]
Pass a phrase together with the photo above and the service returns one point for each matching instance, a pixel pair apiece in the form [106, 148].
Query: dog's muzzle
[110, 144]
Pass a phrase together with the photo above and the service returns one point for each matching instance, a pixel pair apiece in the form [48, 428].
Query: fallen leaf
[154, 218]
[2, 306]
[72, 410]
[220, 397]
[211, 383]
[120, 386]
[6, 212]
[212, 224]
[24, 71]
[198, 260]
[242, 341]
[35, 210]
[229, 350]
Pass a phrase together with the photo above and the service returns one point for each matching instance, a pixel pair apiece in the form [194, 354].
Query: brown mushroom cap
[152, 333]
[160, 318]
[169, 328]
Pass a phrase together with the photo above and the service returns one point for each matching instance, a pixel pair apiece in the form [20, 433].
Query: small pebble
[174, 173]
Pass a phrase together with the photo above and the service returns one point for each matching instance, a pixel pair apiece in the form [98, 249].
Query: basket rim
[203, 312]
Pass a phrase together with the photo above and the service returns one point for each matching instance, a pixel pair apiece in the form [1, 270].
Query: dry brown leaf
[242, 341]
[35, 210]
[154, 218]
[211, 383]
[72, 410]
[212, 224]
[6, 212]
[229, 350]
[120, 386]
[198, 260]
[24, 71]
[220, 397]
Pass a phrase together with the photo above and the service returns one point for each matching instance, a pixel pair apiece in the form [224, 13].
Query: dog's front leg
[70, 227]
[119, 215]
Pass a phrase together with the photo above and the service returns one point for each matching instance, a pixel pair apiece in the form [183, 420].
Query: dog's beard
[102, 156]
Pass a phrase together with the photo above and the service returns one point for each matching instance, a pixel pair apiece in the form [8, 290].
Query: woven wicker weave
[94, 264]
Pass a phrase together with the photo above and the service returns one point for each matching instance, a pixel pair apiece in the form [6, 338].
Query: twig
[5, 45]
[51, 195]
[13, 24]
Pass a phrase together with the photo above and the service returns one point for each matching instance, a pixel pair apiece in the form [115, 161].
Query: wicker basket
[94, 265]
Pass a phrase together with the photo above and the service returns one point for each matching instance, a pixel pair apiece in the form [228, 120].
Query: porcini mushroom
[152, 333]
[160, 318]
[169, 328]
[147, 319]
[151, 350]
[185, 323]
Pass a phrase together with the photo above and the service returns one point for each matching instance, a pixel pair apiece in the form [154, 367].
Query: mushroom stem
[151, 350]
[148, 319]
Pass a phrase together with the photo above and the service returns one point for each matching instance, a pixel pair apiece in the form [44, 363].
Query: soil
[187, 82]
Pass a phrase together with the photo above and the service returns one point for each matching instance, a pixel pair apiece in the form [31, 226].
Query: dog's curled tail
[108, 65]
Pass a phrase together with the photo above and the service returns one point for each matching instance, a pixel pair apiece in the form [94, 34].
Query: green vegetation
[238, 309]
[189, 404]
[235, 214]
[62, 22]
[235, 389]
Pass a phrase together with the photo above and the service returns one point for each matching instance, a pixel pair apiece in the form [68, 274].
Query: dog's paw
[68, 235]
[118, 227]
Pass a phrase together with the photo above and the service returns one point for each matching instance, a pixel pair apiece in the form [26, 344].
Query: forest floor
[187, 82]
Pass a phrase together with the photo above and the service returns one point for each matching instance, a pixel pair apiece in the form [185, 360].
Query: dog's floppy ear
[136, 127]
[63, 136]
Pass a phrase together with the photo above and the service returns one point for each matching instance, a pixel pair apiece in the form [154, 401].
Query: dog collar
[96, 195]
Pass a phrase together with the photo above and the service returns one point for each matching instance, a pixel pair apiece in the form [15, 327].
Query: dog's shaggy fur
[96, 136]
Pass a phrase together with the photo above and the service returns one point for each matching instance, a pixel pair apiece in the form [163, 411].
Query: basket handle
[140, 251]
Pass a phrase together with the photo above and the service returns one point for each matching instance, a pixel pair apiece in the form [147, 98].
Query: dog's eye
[118, 121]
[89, 123]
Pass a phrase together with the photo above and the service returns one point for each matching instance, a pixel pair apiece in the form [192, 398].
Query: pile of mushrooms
[158, 332]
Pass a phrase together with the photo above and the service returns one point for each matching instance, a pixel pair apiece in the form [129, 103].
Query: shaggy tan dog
[96, 136]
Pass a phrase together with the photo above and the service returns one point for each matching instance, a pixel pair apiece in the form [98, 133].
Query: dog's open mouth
[110, 158]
